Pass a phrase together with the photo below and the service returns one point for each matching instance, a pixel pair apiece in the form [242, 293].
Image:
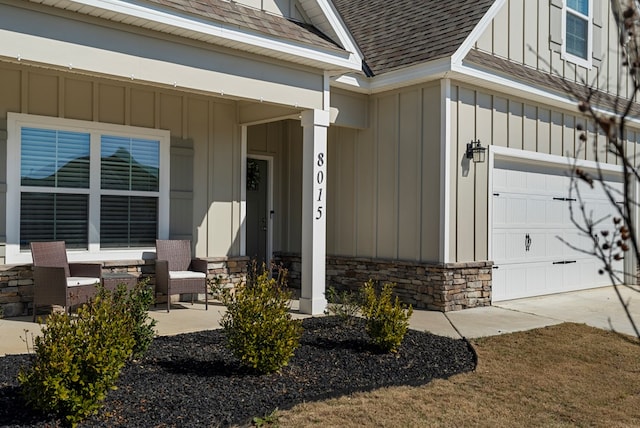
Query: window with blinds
[56, 188]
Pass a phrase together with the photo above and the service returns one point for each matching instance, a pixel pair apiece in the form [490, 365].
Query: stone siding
[441, 287]
[16, 281]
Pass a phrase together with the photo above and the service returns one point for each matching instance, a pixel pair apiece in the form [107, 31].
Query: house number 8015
[320, 183]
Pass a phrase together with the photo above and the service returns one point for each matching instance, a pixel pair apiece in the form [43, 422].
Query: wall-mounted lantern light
[476, 152]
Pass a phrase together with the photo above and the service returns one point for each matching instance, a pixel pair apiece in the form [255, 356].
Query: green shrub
[78, 359]
[387, 321]
[258, 325]
[345, 304]
[136, 303]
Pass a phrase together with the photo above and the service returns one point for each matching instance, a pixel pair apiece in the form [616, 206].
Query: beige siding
[205, 200]
[534, 29]
[431, 175]
[384, 181]
[341, 202]
[466, 175]
[387, 177]
[352, 109]
[514, 124]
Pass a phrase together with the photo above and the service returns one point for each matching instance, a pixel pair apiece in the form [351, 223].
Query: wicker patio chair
[177, 272]
[58, 282]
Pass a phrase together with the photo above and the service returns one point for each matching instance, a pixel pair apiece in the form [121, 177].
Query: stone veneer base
[442, 287]
[16, 281]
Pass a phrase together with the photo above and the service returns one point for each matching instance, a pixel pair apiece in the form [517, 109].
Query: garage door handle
[566, 262]
[527, 242]
[560, 263]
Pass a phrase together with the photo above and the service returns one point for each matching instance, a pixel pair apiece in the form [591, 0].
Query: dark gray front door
[257, 209]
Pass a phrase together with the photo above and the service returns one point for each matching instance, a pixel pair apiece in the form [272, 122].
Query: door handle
[527, 242]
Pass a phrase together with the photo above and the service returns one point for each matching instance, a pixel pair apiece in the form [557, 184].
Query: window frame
[15, 123]
[567, 56]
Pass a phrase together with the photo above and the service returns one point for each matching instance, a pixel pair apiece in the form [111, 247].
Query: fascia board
[408, 76]
[340, 28]
[475, 34]
[331, 58]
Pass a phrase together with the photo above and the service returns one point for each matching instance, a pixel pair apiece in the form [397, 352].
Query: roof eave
[334, 60]
[403, 77]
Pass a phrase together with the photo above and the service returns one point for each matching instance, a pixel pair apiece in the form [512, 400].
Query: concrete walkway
[598, 308]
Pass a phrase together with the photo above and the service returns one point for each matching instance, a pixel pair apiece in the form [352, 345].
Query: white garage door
[530, 215]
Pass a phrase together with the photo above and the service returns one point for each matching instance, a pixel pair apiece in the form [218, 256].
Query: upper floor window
[103, 189]
[577, 46]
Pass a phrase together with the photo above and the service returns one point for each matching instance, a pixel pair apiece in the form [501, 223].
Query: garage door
[530, 215]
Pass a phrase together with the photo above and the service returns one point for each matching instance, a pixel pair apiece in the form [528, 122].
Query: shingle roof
[531, 76]
[400, 33]
[239, 16]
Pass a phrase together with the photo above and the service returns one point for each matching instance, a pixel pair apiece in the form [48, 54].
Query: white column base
[313, 306]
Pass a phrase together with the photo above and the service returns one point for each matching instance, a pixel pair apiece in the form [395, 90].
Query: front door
[257, 210]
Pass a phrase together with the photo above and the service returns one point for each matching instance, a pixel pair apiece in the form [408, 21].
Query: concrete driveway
[598, 308]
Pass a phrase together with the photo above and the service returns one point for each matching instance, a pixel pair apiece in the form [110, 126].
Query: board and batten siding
[535, 39]
[506, 121]
[205, 150]
[384, 181]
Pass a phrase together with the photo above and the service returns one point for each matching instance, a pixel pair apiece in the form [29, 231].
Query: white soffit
[184, 25]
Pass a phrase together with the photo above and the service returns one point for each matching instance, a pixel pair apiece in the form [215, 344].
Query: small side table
[112, 280]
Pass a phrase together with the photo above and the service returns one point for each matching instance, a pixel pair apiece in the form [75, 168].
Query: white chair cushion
[75, 281]
[186, 274]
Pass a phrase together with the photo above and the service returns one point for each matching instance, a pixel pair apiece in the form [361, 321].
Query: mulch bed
[193, 380]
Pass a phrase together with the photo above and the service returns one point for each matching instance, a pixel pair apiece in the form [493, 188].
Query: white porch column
[314, 210]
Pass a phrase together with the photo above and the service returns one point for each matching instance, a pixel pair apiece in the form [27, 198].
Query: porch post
[314, 210]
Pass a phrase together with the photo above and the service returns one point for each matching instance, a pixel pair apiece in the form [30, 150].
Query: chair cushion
[75, 281]
[186, 274]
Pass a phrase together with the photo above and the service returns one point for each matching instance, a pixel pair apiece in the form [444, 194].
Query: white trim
[477, 32]
[411, 75]
[269, 160]
[550, 160]
[338, 25]
[445, 159]
[588, 62]
[326, 91]
[17, 120]
[243, 190]
[271, 46]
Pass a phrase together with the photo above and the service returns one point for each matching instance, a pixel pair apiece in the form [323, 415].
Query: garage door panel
[523, 280]
[532, 207]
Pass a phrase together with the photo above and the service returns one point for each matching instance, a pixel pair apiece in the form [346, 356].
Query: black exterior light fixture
[476, 152]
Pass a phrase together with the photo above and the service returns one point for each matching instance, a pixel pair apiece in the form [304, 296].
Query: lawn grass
[564, 375]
